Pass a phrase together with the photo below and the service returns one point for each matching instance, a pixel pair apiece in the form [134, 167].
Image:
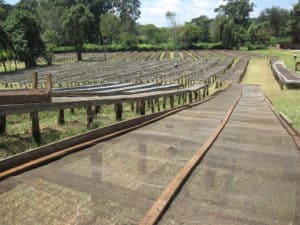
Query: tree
[278, 19]
[25, 29]
[190, 34]
[5, 46]
[203, 22]
[110, 26]
[260, 33]
[76, 22]
[237, 10]
[295, 23]
[171, 17]
[129, 12]
[236, 18]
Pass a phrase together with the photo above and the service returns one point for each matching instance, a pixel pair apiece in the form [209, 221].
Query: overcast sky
[153, 11]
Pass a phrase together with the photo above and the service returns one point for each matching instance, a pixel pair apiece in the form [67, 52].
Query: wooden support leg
[119, 111]
[2, 124]
[137, 108]
[90, 116]
[172, 101]
[61, 117]
[196, 95]
[190, 97]
[164, 103]
[152, 106]
[158, 104]
[97, 109]
[132, 106]
[207, 91]
[142, 106]
[35, 127]
[179, 99]
[72, 110]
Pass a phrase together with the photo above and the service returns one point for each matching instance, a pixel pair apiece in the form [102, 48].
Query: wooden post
[2, 124]
[179, 99]
[90, 116]
[137, 107]
[61, 117]
[34, 80]
[35, 127]
[48, 84]
[196, 95]
[207, 91]
[142, 106]
[119, 111]
[152, 106]
[132, 106]
[172, 101]
[72, 110]
[190, 97]
[158, 104]
[164, 103]
[97, 109]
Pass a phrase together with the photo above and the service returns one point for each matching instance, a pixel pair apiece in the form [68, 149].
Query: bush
[257, 47]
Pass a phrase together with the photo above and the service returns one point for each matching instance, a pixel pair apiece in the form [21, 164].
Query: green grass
[287, 56]
[286, 101]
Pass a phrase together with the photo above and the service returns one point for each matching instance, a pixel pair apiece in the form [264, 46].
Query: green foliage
[190, 34]
[295, 23]
[150, 34]
[259, 34]
[25, 29]
[76, 22]
[203, 22]
[234, 20]
[237, 10]
[110, 27]
[278, 19]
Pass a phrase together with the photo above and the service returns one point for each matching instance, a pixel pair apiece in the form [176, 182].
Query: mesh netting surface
[251, 175]
[116, 181]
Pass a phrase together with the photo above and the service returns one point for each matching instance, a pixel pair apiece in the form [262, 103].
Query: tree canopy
[76, 23]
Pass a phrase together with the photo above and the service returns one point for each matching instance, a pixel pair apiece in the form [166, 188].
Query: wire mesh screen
[251, 175]
[116, 181]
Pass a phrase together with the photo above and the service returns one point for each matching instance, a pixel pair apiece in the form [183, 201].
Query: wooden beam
[61, 117]
[35, 126]
[34, 80]
[2, 124]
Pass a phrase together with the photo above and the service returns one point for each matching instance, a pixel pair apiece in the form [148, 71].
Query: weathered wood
[137, 107]
[190, 97]
[61, 117]
[196, 95]
[90, 116]
[142, 107]
[164, 102]
[119, 111]
[78, 102]
[34, 80]
[48, 82]
[2, 124]
[158, 104]
[172, 101]
[97, 109]
[152, 106]
[35, 126]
